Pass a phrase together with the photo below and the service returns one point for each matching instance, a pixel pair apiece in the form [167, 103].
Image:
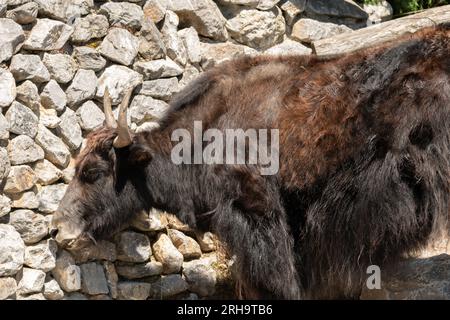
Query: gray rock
[55, 150]
[28, 94]
[48, 118]
[155, 10]
[93, 279]
[5, 205]
[207, 241]
[289, 47]
[22, 149]
[308, 30]
[257, 29]
[133, 290]
[149, 222]
[90, 116]
[48, 35]
[31, 281]
[89, 58]
[53, 96]
[5, 165]
[172, 42]
[162, 68]
[102, 250]
[22, 120]
[31, 226]
[187, 246]
[12, 3]
[379, 12]
[82, 88]
[75, 296]
[191, 42]
[25, 200]
[145, 108]
[166, 253]
[52, 290]
[2, 10]
[62, 67]
[215, 53]
[41, 256]
[12, 250]
[20, 178]
[200, 276]
[151, 44]
[7, 87]
[162, 89]
[112, 278]
[4, 127]
[123, 13]
[68, 174]
[50, 197]
[120, 46]
[292, 9]
[24, 14]
[338, 8]
[70, 130]
[29, 67]
[66, 273]
[11, 38]
[93, 26]
[137, 271]
[8, 287]
[168, 286]
[64, 9]
[118, 79]
[133, 247]
[34, 296]
[203, 15]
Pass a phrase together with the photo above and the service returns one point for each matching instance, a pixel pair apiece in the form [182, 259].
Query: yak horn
[110, 122]
[123, 133]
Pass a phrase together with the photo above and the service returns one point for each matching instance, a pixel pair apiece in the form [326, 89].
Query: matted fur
[364, 165]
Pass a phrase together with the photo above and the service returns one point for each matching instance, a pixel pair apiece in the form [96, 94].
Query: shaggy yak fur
[364, 166]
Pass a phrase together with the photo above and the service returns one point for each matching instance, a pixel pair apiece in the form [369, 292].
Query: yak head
[109, 184]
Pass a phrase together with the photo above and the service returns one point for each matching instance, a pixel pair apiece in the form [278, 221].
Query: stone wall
[56, 58]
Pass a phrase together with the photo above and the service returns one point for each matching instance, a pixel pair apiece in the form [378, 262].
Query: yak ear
[139, 154]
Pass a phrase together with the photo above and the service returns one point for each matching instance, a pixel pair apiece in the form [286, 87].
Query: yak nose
[53, 232]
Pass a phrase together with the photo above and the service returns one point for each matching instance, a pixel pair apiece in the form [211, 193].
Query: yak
[364, 166]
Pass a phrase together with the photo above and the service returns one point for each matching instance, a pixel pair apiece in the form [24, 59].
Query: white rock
[118, 79]
[93, 279]
[31, 226]
[379, 12]
[25, 200]
[8, 288]
[5, 205]
[155, 10]
[168, 286]
[66, 273]
[7, 87]
[48, 118]
[200, 276]
[64, 10]
[123, 13]
[50, 197]
[133, 290]
[147, 222]
[22, 149]
[55, 150]
[203, 15]
[292, 9]
[11, 39]
[192, 44]
[46, 172]
[29, 67]
[22, 120]
[52, 290]
[90, 27]
[257, 29]
[133, 247]
[172, 42]
[90, 116]
[5, 165]
[188, 247]
[161, 68]
[120, 46]
[32, 281]
[20, 178]
[207, 241]
[289, 47]
[89, 58]
[70, 130]
[12, 250]
[309, 30]
[24, 14]
[151, 44]
[160, 89]
[61, 67]
[53, 96]
[4, 127]
[145, 108]
[48, 35]
[28, 94]
[166, 253]
[215, 53]
[82, 88]
[41, 256]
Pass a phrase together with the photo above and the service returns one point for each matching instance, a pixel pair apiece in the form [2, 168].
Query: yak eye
[90, 175]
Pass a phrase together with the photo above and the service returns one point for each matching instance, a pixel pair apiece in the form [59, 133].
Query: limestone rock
[20, 178]
[70, 130]
[49, 118]
[5, 165]
[28, 94]
[379, 12]
[82, 88]
[155, 10]
[46, 172]
[89, 58]
[8, 287]
[102, 250]
[25, 200]
[148, 222]
[216, 53]
[12, 250]
[55, 150]
[7, 87]
[337, 8]
[151, 44]
[200, 276]
[5, 205]
[11, 38]
[162, 68]
[133, 290]
[31, 281]
[120, 46]
[90, 27]
[166, 253]
[191, 42]
[90, 116]
[22, 120]
[64, 10]
[289, 47]
[53, 96]
[66, 273]
[123, 13]
[52, 290]
[172, 42]
[137, 271]
[24, 14]
[133, 247]
[162, 89]
[31, 226]
[41, 256]
[168, 286]
[292, 9]
[93, 279]
[145, 108]
[62, 67]
[4, 127]
[207, 241]
[48, 35]
[308, 30]
[50, 197]
[188, 247]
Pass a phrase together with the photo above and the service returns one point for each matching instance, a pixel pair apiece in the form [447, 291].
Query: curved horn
[110, 122]
[123, 133]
